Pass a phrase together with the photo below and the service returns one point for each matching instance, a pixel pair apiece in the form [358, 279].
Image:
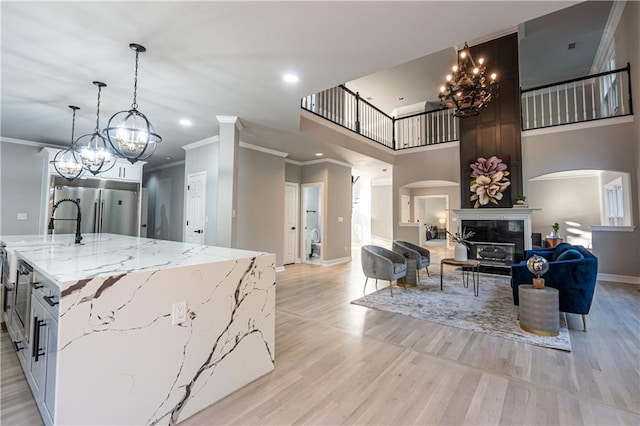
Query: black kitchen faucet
[77, 219]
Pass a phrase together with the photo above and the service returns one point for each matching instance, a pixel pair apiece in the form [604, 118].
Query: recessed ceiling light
[401, 98]
[185, 122]
[291, 78]
[319, 154]
[168, 158]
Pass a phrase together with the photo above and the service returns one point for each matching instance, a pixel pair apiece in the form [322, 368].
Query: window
[614, 203]
[610, 99]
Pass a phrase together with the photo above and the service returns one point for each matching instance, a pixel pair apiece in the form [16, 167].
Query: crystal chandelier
[92, 149]
[467, 90]
[129, 132]
[64, 161]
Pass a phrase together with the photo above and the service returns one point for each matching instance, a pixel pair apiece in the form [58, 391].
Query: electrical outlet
[178, 312]
[22, 216]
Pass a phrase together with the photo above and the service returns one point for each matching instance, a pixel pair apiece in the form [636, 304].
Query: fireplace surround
[501, 235]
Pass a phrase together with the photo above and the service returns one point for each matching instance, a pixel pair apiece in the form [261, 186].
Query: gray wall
[337, 203]
[382, 212]
[628, 50]
[605, 147]
[434, 164]
[561, 200]
[260, 213]
[21, 172]
[205, 159]
[292, 173]
[165, 202]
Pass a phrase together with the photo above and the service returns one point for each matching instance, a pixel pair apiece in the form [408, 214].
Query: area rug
[492, 312]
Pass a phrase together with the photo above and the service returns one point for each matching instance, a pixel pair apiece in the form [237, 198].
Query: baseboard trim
[627, 279]
[336, 261]
[280, 269]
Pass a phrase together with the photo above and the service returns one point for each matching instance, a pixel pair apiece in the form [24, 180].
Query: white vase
[460, 252]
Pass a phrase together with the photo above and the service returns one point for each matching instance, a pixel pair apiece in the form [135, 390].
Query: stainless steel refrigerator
[106, 206]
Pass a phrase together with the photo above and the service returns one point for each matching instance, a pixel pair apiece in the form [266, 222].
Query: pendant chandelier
[64, 161]
[129, 132]
[467, 90]
[92, 149]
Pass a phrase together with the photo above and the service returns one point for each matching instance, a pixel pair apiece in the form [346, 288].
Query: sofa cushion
[560, 248]
[399, 267]
[570, 254]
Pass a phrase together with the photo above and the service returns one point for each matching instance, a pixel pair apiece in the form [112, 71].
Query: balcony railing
[345, 108]
[594, 97]
[598, 96]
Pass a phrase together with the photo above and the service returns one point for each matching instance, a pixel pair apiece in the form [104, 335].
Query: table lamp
[538, 266]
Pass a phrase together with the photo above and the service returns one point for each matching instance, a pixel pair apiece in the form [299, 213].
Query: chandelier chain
[73, 126]
[134, 105]
[97, 129]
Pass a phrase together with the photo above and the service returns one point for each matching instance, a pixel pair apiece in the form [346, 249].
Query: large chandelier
[467, 90]
[64, 161]
[129, 132]
[92, 149]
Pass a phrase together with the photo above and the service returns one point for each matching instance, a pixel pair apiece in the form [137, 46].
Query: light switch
[340, 219]
[22, 216]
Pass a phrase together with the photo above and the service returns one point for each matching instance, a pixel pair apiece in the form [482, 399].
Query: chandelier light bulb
[466, 90]
[64, 162]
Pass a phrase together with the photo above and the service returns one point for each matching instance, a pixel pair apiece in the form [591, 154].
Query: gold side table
[539, 310]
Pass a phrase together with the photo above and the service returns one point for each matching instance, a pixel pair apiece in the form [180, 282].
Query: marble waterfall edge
[121, 361]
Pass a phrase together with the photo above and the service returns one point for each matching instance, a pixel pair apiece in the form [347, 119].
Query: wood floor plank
[338, 363]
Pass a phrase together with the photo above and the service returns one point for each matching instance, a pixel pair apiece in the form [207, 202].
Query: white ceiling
[217, 58]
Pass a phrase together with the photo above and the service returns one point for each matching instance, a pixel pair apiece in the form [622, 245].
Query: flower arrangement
[556, 228]
[489, 180]
[460, 238]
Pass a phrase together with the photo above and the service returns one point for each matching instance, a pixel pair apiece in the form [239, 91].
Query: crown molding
[263, 149]
[492, 36]
[322, 160]
[203, 142]
[434, 147]
[29, 143]
[297, 163]
[230, 119]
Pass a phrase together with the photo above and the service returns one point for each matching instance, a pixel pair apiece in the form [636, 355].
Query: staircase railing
[594, 97]
[347, 109]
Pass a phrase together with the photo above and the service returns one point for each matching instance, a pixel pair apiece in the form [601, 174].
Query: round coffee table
[468, 267]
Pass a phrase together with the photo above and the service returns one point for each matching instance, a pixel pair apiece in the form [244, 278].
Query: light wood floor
[341, 363]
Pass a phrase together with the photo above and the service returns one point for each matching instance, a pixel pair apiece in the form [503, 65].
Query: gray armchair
[421, 255]
[382, 264]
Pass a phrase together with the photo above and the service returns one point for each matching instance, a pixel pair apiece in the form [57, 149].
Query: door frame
[321, 209]
[186, 205]
[416, 207]
[296, 248]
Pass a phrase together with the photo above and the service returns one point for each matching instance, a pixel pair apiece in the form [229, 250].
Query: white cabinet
[124, 170]
[43, 349]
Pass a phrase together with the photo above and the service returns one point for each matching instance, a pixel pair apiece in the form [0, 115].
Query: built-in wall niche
[502, 231]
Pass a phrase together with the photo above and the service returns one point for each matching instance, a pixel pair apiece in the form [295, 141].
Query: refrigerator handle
[95, 217]
[101, 214]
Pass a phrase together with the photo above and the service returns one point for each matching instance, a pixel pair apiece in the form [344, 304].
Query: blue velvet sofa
[572, 270]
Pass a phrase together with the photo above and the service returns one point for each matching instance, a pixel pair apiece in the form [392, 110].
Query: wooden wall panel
[496, 131]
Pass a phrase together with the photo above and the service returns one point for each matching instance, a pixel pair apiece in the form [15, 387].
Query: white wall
[382, 213]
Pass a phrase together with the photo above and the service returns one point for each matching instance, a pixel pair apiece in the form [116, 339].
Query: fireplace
[501, 235]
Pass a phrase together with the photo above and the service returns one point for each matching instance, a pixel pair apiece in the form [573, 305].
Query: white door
[194, 230]
[290, 222]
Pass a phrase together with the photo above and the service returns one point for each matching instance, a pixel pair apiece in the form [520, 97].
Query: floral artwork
[489, 180]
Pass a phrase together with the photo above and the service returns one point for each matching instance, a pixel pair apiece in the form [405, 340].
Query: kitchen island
[143, 331]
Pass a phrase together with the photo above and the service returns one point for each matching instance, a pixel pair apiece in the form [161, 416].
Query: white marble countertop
[59, 259]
